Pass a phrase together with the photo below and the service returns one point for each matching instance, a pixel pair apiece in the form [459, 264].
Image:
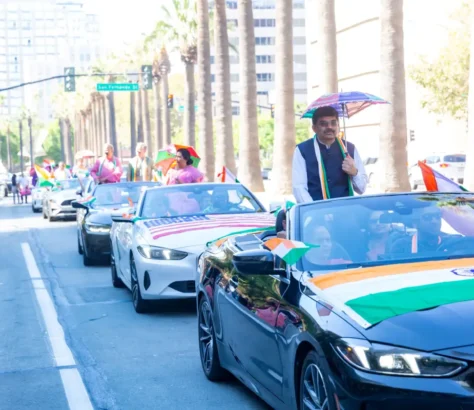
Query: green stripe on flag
[246, 231]
[381, 306]
[294, 255]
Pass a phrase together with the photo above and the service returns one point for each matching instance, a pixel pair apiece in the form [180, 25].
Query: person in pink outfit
[184, 173]
[108, 168]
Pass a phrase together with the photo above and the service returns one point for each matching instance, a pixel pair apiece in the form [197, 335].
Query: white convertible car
[155, 252]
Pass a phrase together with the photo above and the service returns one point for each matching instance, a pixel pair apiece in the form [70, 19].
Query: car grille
[68, 202]
[185, 286]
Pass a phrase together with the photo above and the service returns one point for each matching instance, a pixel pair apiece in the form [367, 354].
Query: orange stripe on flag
[356, 275]
[275, 242]
[428, 177]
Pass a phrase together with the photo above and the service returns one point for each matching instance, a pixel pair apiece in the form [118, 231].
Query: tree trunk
[158, 125]
[190, 101]
[140, 116]
[147, 122]
[284, 142]
[9, 153]
[206, 135]
[393, 127]
[69, 135]
[20, 125]
[250, 173]
[112, 123]
[166, 111]
[30, 129]
[84, 133]
[225, 155]
[133, 125]
[469, 170]
[95, 134]
[105, 121]
[62, 139]
[102, 126]
[327, 46]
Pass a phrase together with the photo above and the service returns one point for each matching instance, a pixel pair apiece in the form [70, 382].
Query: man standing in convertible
[323, 167]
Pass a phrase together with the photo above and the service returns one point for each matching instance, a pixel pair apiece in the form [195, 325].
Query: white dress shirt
[300, 177]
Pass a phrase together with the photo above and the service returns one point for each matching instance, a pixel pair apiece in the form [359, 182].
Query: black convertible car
[374, 312]
[94, 216]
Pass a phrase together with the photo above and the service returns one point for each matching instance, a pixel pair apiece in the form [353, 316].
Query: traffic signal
[412, 135]
[170, 101]
[272, 109]
[69, 79]
[147, 77]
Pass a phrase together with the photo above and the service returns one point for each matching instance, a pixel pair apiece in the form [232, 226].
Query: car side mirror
[254, 262]
[122, 219]
[78, 205]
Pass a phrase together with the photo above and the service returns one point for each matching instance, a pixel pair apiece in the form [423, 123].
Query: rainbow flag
[372, 295]
[288, 250]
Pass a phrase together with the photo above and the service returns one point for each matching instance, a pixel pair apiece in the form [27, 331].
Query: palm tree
[165, 68]
[469, 170]
[284, 142]
[146, 117]
[140, 115]
[249, 154]
[157, 101]
[133, 125]
[179, 28]
[206, 137]
[224, 135]
[393, 126]
[327, 46]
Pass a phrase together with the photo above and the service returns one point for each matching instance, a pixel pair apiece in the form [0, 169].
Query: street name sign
[118, 87]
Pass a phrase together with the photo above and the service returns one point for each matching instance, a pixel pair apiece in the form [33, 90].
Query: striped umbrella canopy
[166, 157]
[347, 103]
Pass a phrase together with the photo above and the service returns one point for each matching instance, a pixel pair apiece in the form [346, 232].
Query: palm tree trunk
[112, 123]
[224, 137]
[327, 46]
[166, 111]
[95, 114]
[140, 116]
[61, 138]
[190, 102]
[206, 137]
[68, 134]
[105, 119]
[158, 125]
[393, 127]
[9, 153]
[469, 170]
[30, 130]
[284, 142]
[147, 122]
[249, 155]
[133, 125]
[20, 128]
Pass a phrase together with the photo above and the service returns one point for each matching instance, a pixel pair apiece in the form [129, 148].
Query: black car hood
[103, 215]
[439, 328]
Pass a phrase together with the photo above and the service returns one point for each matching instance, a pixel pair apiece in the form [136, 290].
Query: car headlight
[397, 361]
[96, 228]
[156, 252]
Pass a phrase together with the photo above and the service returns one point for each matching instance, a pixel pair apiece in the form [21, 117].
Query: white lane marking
[76, 393]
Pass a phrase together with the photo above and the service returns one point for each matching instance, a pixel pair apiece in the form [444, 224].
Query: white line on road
[73, 384]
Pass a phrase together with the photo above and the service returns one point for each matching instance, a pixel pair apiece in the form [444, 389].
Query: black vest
[332, 158]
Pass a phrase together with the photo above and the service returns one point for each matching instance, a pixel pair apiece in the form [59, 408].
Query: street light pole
[32, 156]
[20, 124]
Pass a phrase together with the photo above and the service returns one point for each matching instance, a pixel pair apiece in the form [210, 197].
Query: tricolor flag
[42, 173]
[372, 295]
[227, 176]
[437, 182]
[289, 251]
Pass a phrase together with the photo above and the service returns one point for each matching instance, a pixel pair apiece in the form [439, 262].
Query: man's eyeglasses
[323, 123]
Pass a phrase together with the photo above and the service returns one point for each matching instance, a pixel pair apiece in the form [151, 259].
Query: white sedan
[155, 253]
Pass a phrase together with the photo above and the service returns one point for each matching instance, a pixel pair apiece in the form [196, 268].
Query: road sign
[69, 79]
[117, 87]
[147, 77]
[181, 108]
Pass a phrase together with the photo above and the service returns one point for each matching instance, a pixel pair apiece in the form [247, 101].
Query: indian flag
[227, 176]
[288, 250]
[437, 182]
[372, 295]
[42, 173]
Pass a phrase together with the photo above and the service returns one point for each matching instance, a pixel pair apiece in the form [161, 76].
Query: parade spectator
[15, 189]
[62, 173]
[140, 168]
[107, 169]
[24, 188]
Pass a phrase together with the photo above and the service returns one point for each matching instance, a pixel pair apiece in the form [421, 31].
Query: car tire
[139, 304]
[85, 259]
[208, 353]
[80, 249]
[44, 214]
[316, 391]
[116, 281]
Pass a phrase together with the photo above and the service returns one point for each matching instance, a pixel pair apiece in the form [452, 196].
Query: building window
[265, 77]
[232, 23]
[300, 76]
[234, 59]
[298, 22]
[298, 4]
[213, 60]
[301, 91]
[235, 110]
[300, 59]
[265, 41]
[234, 78]
[213, 78]
[265, 59]
[232, 5]
[299, 41]
[264, 23]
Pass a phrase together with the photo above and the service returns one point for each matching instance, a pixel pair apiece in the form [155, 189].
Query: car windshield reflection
[120, 194]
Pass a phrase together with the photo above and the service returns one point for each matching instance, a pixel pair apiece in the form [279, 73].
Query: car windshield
[67, 184]
[199, 199]
[119, 194]
[454, 158]
[401, 228]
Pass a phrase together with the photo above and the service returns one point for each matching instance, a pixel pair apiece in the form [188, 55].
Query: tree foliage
[446, 79]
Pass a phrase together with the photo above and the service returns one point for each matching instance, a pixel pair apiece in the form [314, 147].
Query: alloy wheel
[315, 395]
[206, 337]
[135, 289]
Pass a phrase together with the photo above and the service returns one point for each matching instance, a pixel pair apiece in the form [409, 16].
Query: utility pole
[20, 124]
[32, 155]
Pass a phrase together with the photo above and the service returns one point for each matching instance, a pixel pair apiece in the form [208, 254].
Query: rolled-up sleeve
[300, 179]
[360, 180]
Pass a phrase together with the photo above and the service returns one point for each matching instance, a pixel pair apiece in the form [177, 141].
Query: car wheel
[79, 246]
[85, 259]
[116, 281]
[140, 305]
[316, 392]
[210, 362]
[44, 214]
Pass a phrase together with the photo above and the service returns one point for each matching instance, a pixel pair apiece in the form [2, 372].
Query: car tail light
[444, 165]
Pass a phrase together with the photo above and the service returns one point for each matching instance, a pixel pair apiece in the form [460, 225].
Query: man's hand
[348, 166]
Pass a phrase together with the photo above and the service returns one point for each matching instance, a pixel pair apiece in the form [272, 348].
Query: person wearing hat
[108, 168]
[140, 168]
[324, 167]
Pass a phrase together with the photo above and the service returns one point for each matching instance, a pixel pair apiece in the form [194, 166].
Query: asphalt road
[90, 336]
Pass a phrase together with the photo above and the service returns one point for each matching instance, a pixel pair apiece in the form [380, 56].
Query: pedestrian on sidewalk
[15, 190]
[24, 188]
[323, 166]
[108, 168]
[140, 168]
